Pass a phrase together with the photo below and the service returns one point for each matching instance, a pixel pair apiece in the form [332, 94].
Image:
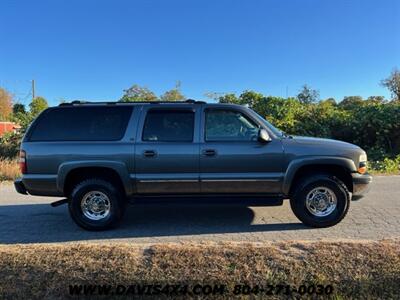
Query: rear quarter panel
[48, 162]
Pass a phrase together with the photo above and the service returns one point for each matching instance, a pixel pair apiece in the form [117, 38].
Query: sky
[94, 49]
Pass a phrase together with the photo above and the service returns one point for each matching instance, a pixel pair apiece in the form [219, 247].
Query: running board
[59, 202]
[246, 201]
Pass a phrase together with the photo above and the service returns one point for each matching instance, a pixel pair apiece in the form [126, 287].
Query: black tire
[116, 202]
[305, 186]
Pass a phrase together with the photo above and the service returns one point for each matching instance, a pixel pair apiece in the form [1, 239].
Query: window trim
[32, 127]
[206, 110]
[173, 109]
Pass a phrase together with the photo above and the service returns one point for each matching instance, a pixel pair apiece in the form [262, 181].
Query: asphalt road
[29, 219]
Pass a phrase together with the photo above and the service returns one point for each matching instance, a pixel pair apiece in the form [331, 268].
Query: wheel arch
[72, 172]
[337, 166]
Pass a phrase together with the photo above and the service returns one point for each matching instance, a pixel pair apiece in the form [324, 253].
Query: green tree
[18, 108]
[351, 102]
[37, 105]
[228, 98]
[250, 98]
[376, 99]
[392, 83]
[138, 93]
[5, 104]
[173, 95]
[331, 101]
[247, 97]
[308, 95]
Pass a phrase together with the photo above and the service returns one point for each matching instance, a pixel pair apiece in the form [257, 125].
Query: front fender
[296, 164]
[118, 167]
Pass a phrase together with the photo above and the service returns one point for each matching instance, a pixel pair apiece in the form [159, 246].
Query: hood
[324, 142]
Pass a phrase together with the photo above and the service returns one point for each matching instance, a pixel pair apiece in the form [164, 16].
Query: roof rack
[75, 102]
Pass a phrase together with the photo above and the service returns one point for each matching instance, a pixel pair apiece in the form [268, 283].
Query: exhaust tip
[59, 202]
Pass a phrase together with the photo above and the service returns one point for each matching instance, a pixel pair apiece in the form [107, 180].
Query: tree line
[372, 123]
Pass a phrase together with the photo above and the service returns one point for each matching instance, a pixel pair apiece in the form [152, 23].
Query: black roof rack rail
[74, 102]
[86, 102]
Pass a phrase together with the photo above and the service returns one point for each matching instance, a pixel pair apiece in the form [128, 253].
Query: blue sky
[92, 49]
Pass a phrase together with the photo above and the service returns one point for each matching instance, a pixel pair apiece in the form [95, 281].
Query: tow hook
[59, 202]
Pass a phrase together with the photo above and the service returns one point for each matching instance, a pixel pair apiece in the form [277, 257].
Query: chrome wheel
[95, 205]
[321, 201]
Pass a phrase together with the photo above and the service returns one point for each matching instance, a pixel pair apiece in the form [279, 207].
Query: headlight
[363, 157]
[362, 165]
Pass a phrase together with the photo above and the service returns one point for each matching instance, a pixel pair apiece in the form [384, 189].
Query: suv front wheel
[96, 204]
[320, 200]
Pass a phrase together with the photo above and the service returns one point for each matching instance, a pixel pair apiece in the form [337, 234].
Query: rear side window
[169, 126]
[82, 124]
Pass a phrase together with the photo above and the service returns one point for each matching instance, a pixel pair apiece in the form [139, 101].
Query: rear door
[167, 149]
[232, 160]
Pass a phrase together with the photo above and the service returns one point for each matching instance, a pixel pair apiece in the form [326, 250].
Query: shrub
[387, 165]
[9, 169]
[373, 124]
[9, 145]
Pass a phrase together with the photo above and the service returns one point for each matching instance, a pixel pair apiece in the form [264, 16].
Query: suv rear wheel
[96, 204]
[320, 200]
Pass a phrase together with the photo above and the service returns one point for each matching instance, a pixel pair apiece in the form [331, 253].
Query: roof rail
[75, 102]
[86, 102]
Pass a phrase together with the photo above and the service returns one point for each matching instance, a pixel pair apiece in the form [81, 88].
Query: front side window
[169, 126]
[229, 125]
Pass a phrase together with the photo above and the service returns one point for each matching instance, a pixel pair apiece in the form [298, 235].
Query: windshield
[275, 130]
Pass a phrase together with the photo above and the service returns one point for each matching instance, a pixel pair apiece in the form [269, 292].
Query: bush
[10, 141]
[9, 145]
[387, 165]
[373, 124]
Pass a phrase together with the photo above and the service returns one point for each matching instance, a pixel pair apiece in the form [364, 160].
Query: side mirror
[263, 136]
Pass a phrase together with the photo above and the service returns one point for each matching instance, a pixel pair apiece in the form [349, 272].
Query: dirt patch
[354, 269]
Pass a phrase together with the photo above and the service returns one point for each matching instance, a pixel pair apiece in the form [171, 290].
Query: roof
[112, 103]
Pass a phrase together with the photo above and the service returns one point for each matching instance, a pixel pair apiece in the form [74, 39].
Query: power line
[19, 89]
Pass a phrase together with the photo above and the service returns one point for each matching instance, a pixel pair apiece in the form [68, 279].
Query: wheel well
[79, 174]
[340, 172]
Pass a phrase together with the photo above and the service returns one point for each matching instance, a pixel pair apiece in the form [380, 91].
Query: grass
[9, 169]
[359, 270]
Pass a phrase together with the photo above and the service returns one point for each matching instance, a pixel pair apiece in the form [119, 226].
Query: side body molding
[296, 164]
[117, 166]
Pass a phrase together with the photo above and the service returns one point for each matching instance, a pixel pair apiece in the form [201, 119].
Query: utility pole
[33, 89]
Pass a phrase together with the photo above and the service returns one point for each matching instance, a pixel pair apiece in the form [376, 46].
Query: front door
[232, 160]
[167, 150]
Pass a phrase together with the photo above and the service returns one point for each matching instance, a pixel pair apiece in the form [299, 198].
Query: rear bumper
[37, 185]
[19, 186]
[361, 185]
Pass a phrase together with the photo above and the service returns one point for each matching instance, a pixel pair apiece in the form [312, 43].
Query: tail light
[22, 161]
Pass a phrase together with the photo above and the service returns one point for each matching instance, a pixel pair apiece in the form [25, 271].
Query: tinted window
[169, 126]
[82, 124]
[229, 125]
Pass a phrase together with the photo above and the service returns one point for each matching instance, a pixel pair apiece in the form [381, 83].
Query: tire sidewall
[299, 202]
[95, 185]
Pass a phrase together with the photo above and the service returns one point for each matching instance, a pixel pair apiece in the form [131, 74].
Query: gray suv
[101, 156]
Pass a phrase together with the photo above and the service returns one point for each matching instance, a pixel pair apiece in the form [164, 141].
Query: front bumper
[361, 185]
[20, 187]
